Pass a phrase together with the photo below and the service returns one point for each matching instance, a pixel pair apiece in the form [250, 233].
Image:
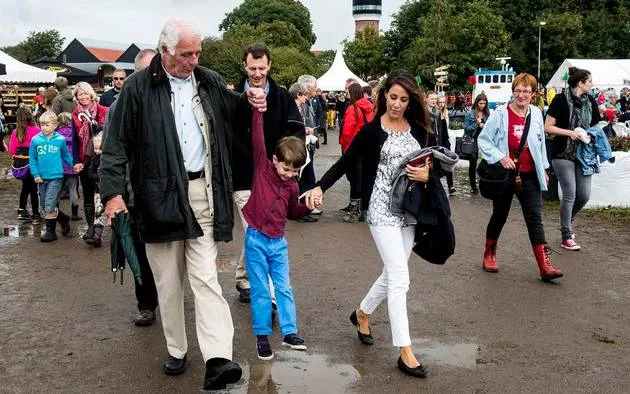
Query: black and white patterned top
[397, 146]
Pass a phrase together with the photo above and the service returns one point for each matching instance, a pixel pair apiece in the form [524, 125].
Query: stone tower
[366, 13]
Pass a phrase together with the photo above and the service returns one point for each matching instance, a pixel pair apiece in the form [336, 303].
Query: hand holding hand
[39, 180]
[314, 197]
[114, 205]
[77, 167]
[507, 163]
[257, 99]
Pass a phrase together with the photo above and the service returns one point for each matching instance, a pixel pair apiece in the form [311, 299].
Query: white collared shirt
[190, 134]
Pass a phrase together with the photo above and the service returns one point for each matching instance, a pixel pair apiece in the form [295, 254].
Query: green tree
[431, 48]
[255, 12]
[289, 59]
[365, 55]
[562, 36]
[289, 63]
[37, 44]
[466, 41]
[405, 26]
[324, 60]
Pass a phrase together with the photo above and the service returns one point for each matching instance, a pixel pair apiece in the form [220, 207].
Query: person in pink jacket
[19, 145]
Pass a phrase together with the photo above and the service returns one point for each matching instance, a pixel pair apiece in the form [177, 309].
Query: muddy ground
[65, 327]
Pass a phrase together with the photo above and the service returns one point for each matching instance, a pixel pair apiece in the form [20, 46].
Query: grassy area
[611, 215]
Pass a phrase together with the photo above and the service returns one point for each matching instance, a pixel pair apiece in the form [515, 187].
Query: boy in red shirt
[274, 198]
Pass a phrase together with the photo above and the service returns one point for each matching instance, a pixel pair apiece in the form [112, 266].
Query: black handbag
[496, 181]
[466, 147]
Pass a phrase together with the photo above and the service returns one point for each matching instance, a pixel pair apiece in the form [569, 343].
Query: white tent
[336, 76]
[18, 72]
[606, 73]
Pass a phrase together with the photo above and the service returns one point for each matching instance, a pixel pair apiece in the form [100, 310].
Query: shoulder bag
[466, 147]
[494, 180]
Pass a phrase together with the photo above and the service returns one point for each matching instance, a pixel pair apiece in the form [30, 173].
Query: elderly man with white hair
[310, 111]
[172, 125]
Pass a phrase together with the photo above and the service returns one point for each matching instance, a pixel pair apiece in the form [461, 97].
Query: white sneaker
[316, 211]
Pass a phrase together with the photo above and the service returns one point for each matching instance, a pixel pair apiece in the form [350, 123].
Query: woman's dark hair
[577, 75]
[481, 97]
[416, 114]
[355, 93]
[23, 117]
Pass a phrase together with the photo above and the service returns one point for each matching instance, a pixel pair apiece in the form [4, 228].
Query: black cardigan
[366, 147]
[282, 119]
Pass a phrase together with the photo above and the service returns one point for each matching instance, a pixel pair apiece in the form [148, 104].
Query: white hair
[307, 80]
[169, 37]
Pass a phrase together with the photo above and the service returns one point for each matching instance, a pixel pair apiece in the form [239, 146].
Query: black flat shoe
[365, 339]
[220, 372]
[174, 366]
[416, 372]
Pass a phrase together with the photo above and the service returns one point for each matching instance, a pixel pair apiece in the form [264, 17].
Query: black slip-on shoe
[220, 372]
[417, 372]
[174, 366]
[365, 339]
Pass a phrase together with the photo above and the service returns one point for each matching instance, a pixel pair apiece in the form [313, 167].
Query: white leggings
[394, 245]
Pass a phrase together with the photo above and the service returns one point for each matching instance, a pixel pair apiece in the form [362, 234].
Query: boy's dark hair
[367, 89]
[291, 151]
[257, 50]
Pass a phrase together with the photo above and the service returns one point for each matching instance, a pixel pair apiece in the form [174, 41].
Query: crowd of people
[179, 150]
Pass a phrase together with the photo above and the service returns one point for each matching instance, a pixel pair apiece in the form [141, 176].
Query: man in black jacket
[172, 125]
[118, 79]
[281, 119]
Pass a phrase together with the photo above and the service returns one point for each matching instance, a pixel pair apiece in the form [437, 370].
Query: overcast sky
[141, 20]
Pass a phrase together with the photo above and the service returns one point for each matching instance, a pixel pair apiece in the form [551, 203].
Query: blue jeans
[49, 194]
[264, 257]
[576, 191]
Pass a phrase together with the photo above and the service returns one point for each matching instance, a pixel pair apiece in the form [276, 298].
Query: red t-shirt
[516, 127]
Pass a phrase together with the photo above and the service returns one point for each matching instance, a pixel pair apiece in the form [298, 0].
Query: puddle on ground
[20, 231]
[296, 372]
[463, 355]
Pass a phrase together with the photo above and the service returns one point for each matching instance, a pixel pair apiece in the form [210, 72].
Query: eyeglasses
[524, 92]
[118, 78]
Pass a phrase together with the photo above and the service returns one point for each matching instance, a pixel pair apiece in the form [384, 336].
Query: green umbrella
[122, 247]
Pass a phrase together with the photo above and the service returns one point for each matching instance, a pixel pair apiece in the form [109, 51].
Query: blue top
[493, 140]
[46, 155]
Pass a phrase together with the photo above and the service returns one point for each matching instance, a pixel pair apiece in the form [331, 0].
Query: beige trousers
[170, 262]
[240, 199]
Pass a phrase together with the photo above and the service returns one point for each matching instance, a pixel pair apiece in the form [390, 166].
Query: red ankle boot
[490, 256]
[543, 258]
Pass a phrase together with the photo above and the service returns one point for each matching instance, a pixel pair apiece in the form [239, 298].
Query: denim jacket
[586, 154]
[493, 140]
[470, 123]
